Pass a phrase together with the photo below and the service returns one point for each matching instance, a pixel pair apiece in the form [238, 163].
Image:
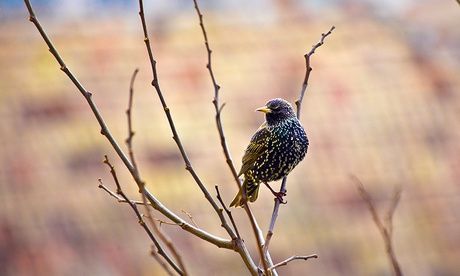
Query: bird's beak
[264, 109]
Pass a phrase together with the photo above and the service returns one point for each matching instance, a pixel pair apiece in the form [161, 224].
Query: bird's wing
[256, 147]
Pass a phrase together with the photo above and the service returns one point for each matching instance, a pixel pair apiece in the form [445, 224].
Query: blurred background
[383, 104]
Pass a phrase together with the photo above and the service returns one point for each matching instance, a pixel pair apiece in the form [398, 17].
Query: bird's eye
[274, 108]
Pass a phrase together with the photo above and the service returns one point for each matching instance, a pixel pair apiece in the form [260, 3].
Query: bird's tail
[252, 192]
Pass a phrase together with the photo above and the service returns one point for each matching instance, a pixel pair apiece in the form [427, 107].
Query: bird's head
[277, 110]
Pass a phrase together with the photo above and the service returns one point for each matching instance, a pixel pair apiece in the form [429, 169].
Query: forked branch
[385, 227]
[298, 103]
[219, 242]
[133, 206]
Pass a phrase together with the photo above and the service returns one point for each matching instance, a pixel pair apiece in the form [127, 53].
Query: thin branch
[293, 258]
[188, 165]
[307, 56]
[129, 140]
[298, 103]
[190, 217]
[165, 239]
[218, 109]
[155, 255]
[118, 198]
[219, 242]
[229, 213]
[217, 106]
[385, 228]
[120, 192]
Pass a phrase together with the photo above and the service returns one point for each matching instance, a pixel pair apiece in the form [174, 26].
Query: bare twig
[229, 213]
[163, 238]
[129, 140]
[298, 103]
[219, 242]
[118, 198]
[190, 217]
[120, 192]
[308, 67]
[188, 165]
[160, 261]
[386, 227]
[218, 109]
[239, 244]
[293, 258]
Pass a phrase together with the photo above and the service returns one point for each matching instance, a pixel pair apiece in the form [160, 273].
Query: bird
[275, 149]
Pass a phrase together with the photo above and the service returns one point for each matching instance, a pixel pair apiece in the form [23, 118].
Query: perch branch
[120, 192]
[218, 109]
[219, 242]
[160, 261]
[385, 228]
[293, 258]
[298, 103]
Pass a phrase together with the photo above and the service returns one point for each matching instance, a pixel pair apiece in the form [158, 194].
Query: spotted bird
[276, 148]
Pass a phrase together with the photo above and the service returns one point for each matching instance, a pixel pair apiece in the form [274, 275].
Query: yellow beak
[264, 109]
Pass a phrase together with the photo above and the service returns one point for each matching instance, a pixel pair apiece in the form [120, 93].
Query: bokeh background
[383, 104]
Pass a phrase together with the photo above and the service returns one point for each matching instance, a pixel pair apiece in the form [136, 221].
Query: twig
[298, 103]
[190, 217]
[155, 255]
[120, 192]
[129, 140]
[307, 56]
[229, 213]
[118, 198]
[386, 227]
[218, 109]
[293, 258]
[164, 239]
[219, 242]
[188, 165]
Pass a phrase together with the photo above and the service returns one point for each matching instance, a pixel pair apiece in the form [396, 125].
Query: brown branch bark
[293, 258]
[131, 133]
[298, 103]
[219, 242]
[385, 227]
[218, 109]
[133, 206]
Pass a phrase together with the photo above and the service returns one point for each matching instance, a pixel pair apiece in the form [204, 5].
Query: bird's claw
[279, 196]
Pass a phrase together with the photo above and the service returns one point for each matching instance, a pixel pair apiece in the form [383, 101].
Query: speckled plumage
[275, 149]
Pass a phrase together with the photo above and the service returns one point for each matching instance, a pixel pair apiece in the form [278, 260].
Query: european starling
[276, 148]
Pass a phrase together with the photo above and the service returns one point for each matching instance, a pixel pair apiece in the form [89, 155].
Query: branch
[293, 258]
[218, 109]
[188, 165]
[120, 192]
[386, 229]
[118, 198]
[229, 213]
[298, 103]
[164, 239]
[219, 242]
[308, 70]
[129, 140]
[160, 261]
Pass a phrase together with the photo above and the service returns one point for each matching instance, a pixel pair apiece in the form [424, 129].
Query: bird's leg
[278, 195]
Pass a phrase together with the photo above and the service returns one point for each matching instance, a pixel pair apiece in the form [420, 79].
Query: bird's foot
[278, 195]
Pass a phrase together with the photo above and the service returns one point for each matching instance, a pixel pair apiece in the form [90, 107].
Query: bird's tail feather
[252, 192]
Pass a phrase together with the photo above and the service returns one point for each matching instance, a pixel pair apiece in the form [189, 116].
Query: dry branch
[219, 242]
[298, 103]
[293, 258]
[385, 227]
[133, 206]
